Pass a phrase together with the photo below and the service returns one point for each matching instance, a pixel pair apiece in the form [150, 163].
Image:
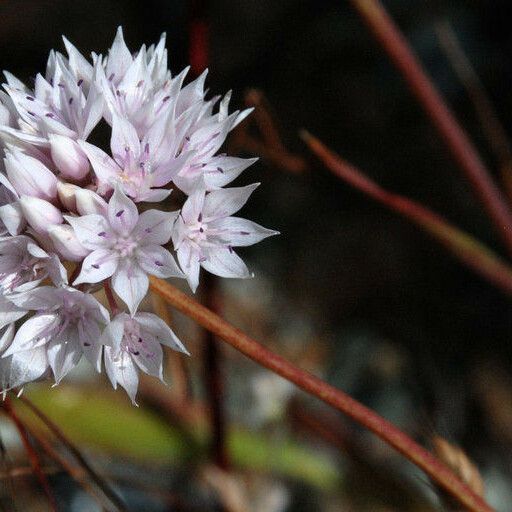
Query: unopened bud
[68, 157]
[88, 202]
[29, 176]
[66, 243]
[40, 214]
[66, 193]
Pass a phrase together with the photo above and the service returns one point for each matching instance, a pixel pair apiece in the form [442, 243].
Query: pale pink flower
[126, 246]
[67, 322]
[205, 233]
[132, 344]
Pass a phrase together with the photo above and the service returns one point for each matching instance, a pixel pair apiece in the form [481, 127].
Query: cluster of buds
[67, 205]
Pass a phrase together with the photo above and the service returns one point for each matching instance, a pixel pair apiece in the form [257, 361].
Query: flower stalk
[385, 430]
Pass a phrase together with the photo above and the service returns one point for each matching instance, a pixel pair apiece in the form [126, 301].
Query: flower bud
[68, 157]
[66, 193]
[40, 214]
[66, 243]
[88, 202]
[29, 176]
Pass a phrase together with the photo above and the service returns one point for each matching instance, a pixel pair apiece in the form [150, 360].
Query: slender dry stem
[492, 128]
[96, 478]
[462, 245]
[454, 136]
[437, 471]
[32, 454]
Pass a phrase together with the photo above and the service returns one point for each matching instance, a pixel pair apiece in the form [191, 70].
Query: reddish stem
[437, 471]
[32, 454]
[469, 250]
[214, 381]
[397, 48]
[57, 432]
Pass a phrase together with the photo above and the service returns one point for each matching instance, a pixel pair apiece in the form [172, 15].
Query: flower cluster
[67, 205]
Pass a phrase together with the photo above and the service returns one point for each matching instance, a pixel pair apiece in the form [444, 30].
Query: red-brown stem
[397, 48]
[57, 432]
[110, 298]
[462, 245]
[74, 472]
[491, 125]
[437, 471]
[32, 454]
[214, 381]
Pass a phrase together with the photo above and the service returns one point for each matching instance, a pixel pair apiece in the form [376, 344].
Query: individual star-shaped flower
[125, 246]
[140, 167]
[23, 265]
[133, 344]
[68, 323]
[61, 103]
[136, 86]
[205, 233]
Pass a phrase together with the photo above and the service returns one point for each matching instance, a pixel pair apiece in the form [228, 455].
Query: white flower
[24, 265]
[54, 188]
[68, 323]
[61, 103]
[205, 233]
[140, 167]
[133, 344]
[137, 87]
[125, 246]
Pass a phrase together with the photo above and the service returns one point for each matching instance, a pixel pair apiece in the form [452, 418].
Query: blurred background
[349, 291]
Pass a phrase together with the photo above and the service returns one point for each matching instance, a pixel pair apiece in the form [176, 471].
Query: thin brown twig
[390, 434]
[454, 136]
[269, 144]
[79, 475]
[32, 454]
[214, 381]
[492, 128]
[462, 245]
[96, 478]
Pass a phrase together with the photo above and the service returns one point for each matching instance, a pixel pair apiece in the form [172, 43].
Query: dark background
[357, 272]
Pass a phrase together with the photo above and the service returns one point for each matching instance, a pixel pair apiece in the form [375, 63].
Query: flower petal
[223, 262]
[155, 226]
[122, 213]
[157, 261]
[240, 232]
[122, 370]
[124, 142]
[131, 284]
[35, 332]
[27, 366]
[93, 231]
[104, 167]
[96, 267]
[64, 353]
[160, 330]
[225, 202]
